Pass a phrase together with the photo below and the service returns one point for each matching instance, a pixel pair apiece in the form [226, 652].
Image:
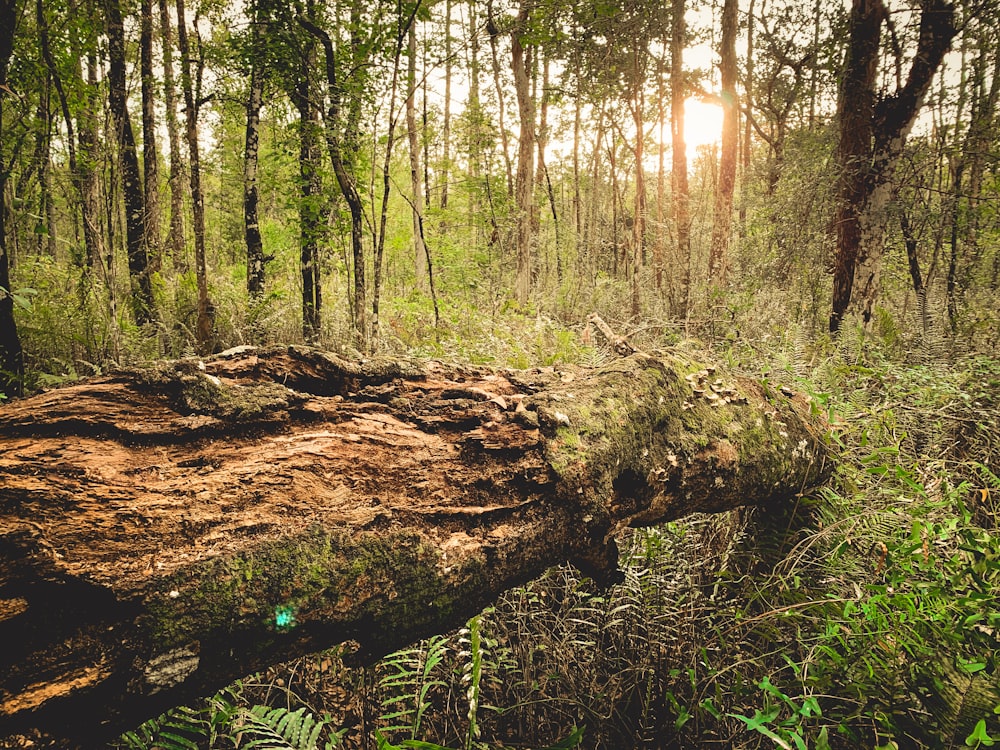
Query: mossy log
[165, 532]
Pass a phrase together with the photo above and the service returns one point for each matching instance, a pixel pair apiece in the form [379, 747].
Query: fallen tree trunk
[163, 533]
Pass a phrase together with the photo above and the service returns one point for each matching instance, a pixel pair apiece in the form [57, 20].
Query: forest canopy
[396, 174]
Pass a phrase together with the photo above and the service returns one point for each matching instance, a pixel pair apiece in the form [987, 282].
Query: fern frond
[281, 729]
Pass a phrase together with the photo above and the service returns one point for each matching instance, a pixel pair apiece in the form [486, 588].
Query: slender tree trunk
[679, 175]
[542, 180]
[205, 325]
[639, 220]
[747, 144]
[577, 128]
[474, 115]
[11, 355]
[310, 196]
[56, 78]
[345, 179]
[413, 139]
[150, 166]
[131, 182]
[446, 126]
[88, 161]
[722, 227]
[251, 195]
[524, 194]
[659, 242]
[494, 32]
[45, 216]
[175, 239]
[404, 28]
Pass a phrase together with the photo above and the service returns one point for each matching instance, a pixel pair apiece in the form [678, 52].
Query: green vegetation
[543, 171]
[866, 616]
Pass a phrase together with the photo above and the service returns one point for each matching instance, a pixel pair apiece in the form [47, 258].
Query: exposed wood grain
[165, 532]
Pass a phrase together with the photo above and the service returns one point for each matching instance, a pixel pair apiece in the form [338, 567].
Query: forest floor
[866, 616]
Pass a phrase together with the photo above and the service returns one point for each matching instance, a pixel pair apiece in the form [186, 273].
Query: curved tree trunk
[163, 533]
[873, 132]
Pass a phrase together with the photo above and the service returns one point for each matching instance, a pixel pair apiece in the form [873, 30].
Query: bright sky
[702, 125]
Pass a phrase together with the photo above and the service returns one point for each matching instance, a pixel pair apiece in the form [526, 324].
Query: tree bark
[722, 226]
[205, 324]
[163, 533]
[304, 96]
[446, 126]
[413, 139]
[873, 131]
[679, 176]
[343, 172]
[175, 239]
[11, 354]
[498, 85]
[143, 304]
[256, 262]
[150, 166]
[524, 181]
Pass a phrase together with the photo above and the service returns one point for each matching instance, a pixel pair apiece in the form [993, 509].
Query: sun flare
[702, 125]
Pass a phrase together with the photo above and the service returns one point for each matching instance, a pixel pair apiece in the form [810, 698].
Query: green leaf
[979, 736]
[573, 740]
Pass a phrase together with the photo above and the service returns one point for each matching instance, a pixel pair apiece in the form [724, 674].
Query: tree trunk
[639, 219]
[310, 196]
[413, 139]
[524, 182]
[660, 239]
[722, 226]
[256, 271]
[175, 179]
[11, 355]
[404, 28]
[89, 160]
[493, 31]
[446, 125]
[872, 135]
[679, 175]
[345, 178]
[166, 532]
[150, 167]
[132, 192]
[205, 325]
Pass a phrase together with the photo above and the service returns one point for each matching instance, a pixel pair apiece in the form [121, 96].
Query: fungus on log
[165, 532]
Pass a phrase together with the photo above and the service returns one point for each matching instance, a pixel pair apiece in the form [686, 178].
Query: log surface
[165, 532]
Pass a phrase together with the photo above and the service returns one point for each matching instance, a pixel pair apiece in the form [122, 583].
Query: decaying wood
[165, 532]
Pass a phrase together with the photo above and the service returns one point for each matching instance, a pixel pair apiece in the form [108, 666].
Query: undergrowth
[867, 615]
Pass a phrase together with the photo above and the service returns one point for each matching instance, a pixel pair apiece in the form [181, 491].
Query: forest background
[469, 180]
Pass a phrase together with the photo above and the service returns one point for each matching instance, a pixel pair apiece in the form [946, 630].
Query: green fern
[280, 729]
[408, 682]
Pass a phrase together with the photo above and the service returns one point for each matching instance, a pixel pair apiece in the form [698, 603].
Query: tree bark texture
[143, 304]
[165, 532]
[341, 160]
[524, 183]
[413, 138]
[679, 175]
[726, 187]
[150, 170]
[873, 129]
[256, 273]
[11, 354]
[175, 239]
[191, 85]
